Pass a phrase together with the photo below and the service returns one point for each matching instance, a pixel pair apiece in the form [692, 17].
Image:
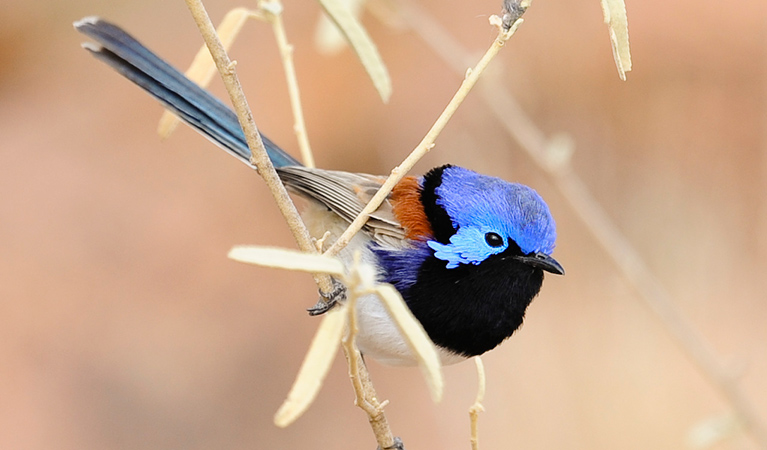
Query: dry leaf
[359, 40]
[617, 23]
[314, 368]
[287, 259]
[327, 37]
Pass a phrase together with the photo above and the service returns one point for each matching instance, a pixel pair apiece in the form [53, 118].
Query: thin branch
[259, 157]
[273, 10]
[626, 258]
[477, 407]
[366, 397]
[428, 141]
[203, 68]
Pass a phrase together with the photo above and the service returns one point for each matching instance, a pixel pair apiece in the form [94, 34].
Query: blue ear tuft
[467, 246]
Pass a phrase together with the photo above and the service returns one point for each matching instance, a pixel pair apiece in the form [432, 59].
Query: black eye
[493, 239]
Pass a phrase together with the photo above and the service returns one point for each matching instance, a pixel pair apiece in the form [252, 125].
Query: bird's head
[474, 217]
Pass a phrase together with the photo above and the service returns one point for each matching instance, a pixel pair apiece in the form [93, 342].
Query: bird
[466, 251]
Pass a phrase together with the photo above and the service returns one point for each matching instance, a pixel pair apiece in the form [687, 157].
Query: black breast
[471, 309]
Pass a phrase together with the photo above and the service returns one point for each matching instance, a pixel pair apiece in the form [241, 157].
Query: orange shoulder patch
[407, 208]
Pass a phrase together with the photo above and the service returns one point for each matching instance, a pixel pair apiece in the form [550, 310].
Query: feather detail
[346, 194]
[408, 209]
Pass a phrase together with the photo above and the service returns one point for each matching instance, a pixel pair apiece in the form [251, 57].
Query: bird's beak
[542, 261]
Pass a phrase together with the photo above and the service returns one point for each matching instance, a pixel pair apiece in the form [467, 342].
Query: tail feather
[193, 104]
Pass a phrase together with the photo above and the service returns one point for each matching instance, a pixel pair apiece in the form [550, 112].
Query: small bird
[466, 251]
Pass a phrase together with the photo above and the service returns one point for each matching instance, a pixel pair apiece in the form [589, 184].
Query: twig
[477, 407]
[203, 68]
[652, 293]
[428, 141]
[273, 10]
[366, 397]
[259, 157]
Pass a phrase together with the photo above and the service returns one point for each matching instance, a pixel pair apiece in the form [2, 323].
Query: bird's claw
[328, 300]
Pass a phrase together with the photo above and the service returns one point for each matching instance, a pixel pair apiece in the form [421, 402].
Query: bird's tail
[193, 104]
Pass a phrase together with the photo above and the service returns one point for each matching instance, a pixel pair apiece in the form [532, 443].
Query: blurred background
[124, 326]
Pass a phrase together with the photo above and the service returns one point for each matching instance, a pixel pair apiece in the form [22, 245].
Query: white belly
[380, 339]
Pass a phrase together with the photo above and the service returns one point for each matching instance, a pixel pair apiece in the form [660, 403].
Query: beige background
[124, 326]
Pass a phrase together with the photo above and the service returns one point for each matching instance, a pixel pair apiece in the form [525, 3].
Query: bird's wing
[346, 194]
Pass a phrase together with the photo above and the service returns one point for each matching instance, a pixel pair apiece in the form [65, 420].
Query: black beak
[542, 261]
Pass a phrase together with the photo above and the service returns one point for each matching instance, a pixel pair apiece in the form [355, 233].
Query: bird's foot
[328, 300]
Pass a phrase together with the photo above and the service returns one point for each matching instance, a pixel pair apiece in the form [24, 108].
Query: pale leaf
[359, 40]
[314, 368]
[203, 68]
[327, 37]
[282, 258]
[617, 23]
[416, 337]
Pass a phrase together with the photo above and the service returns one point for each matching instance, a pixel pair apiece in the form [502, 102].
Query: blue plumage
[400, 267]
[478, 204]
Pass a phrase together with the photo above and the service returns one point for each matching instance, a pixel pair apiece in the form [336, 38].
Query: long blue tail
[193, 104]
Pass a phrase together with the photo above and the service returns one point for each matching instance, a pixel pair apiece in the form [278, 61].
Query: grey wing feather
[346, 194]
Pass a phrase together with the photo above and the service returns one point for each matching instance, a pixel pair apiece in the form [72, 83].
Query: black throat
[471, 309]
